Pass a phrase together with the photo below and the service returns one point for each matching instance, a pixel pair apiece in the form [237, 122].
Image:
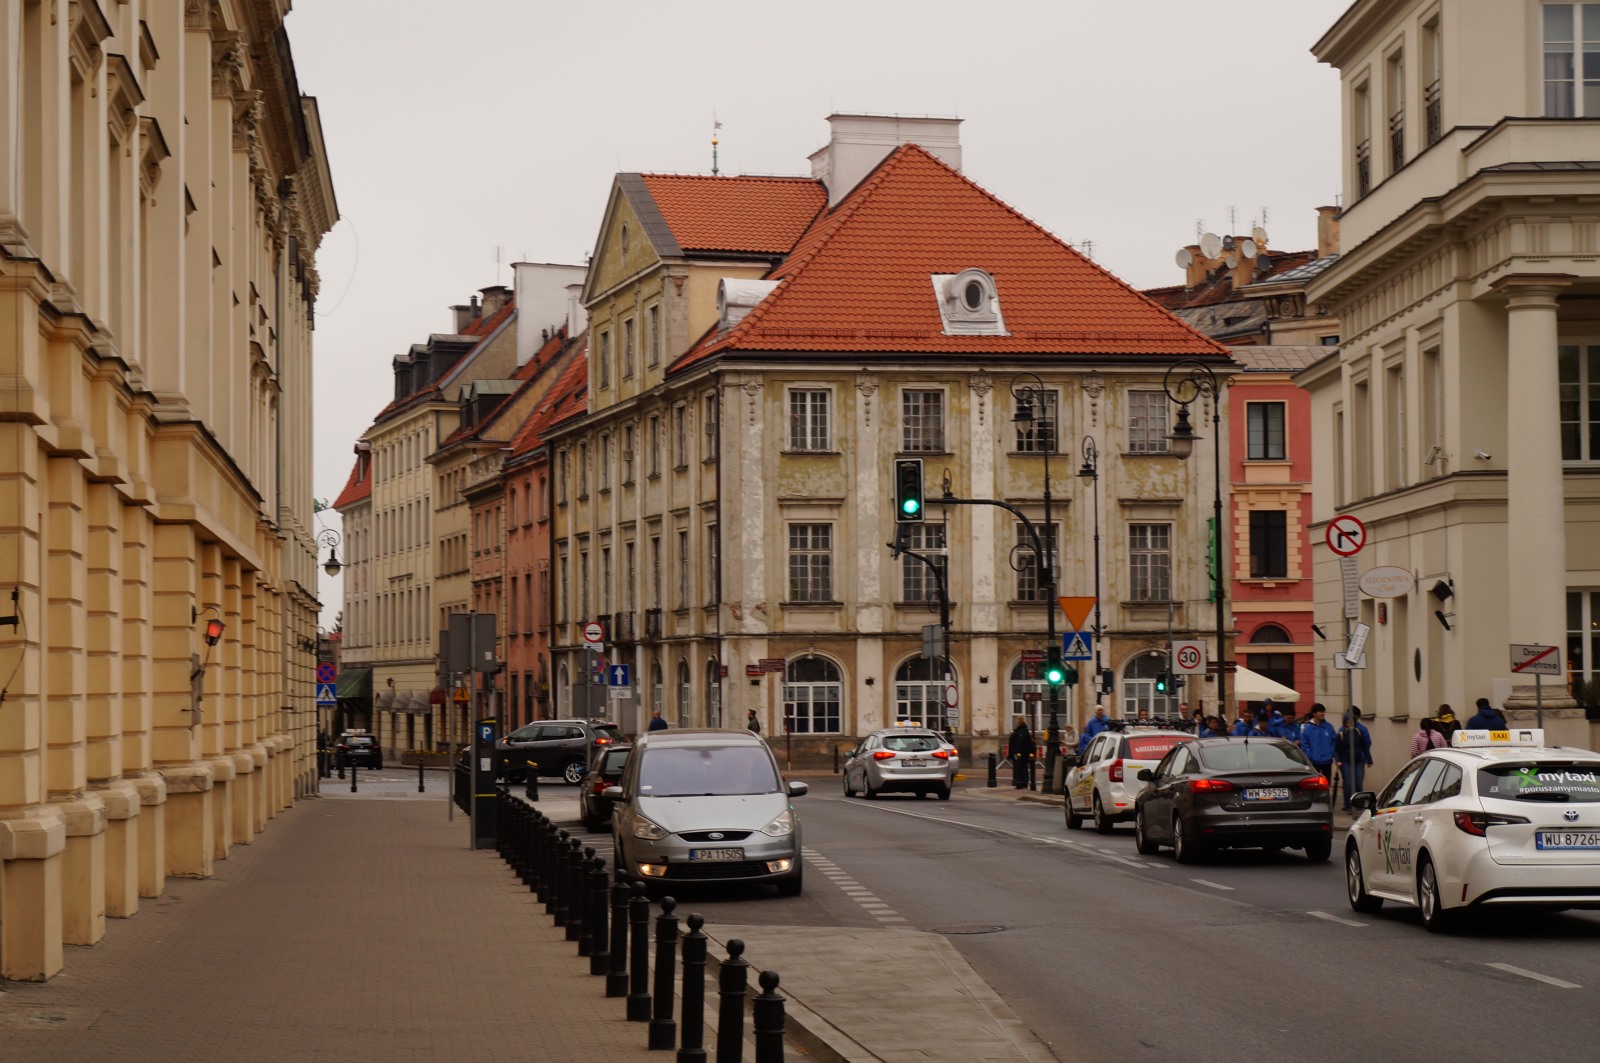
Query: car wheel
[1184, 845]
[1355, 882]
[1141, 840]
[921, 794]
[1102, 824]
[944, 792]
[866, 788]
[572, 773]
[848, 792]
[791, 886]
[1319, 849]
[1074, 821]
[1435, 916]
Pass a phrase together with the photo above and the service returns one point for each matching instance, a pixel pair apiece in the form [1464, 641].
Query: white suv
[1102, 787]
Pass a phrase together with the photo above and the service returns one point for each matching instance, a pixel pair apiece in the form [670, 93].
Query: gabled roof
[757, 215]
[523, 380]
[567, 398]
[482, 329]
[861, 279]
[357, 488]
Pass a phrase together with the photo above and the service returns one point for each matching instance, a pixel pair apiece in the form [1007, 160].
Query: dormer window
[969, 305]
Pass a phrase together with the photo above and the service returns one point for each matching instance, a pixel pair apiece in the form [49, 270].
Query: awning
[1253, 686]
[355, 683]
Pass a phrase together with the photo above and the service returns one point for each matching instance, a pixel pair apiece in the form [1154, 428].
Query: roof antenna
[715, 125]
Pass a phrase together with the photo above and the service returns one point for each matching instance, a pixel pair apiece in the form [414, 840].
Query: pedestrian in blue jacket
[1354, 737]
[1319, 740]
[1093, 727]
[1487, 718]
[1244, 725]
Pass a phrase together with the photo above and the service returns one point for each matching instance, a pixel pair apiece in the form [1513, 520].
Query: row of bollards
[609, 918]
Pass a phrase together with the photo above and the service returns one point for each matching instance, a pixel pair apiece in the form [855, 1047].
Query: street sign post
[1358, 642]
[325, 694]
[594, 635]
[1346, 535]
[326, 672]
[1189, 657]
[617, 675]
[1077, 646]
[1537, 661]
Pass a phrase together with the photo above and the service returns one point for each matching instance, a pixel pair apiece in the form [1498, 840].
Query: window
[1395, 89]
[1147, 422]
[1361, 124]
[812, 696]
[917, 581]
[603, 367]
[1431, 408]
[605, 461]
[684, 693]
[1150, 562]
[713, 565]
[1579, 368]
[1139, 687]
[919, 694]
[810, 562]
[683, 570]
[627, 348]
[583, 470]
[563, 475]
[1433, 78]
[808, 418]
[1025, 680]
[605, 579]
[655, 572]
[627, 455]
[922, 421]
[1265, 430]
[1583, 641]
[1038, 435]
[563, 587]
[1571, 85]
[653, 339]
[680, 436]
[657, 694]
[583, 584]
[654, 442]
[1394, 403]
[708, 412]
[1269, 544]
[630, 574]
[1031, 585]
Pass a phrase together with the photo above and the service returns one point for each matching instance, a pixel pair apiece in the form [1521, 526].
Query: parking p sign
[1189, 658]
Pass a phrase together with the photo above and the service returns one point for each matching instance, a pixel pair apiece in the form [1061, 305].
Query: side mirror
[1365, 801]
[613, 793]
[1146, 775]
[798, 789]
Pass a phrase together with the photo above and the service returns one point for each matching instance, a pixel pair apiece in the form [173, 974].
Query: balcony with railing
[652, 623]
[1363, 168]
[1435, 112]
[622, 628]
[1397, 141]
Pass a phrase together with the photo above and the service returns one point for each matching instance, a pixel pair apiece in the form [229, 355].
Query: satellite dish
[1231, 261]
[1247, 247]
[1211, 245]
[1184, 258]
[1260, 235]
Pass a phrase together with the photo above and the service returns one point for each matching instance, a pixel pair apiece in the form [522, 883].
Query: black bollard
[767, 1020]
[595, 923]
[531, 782]
[573, 888]
[422, 784]
[663, 1029]
[535, 885]
[559, 894]
[1032, 763]
[639, 956]
[692, 1042]
[586, 908]
[547, 838]
[731, 982]
[617, 973]
[352, 776]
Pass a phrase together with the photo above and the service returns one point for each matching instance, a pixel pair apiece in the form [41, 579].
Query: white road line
[1213, 885]
[1536, 976]
[1334, 918]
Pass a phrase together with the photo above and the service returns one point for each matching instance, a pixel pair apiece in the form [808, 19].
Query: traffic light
[1163, 682]
[1071, 675]
[1108, 681]
[907, 490]
[1054, 672]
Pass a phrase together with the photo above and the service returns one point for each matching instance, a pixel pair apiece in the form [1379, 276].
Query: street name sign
[1350, 576]
[1343, 663]
[1358, 642]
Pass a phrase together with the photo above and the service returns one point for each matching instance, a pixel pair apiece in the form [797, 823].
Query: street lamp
[1091, 472]
[1029, 390]
[330, 538]
[1186, 381]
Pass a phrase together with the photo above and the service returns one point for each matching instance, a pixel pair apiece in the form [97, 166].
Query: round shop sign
[1387, 581]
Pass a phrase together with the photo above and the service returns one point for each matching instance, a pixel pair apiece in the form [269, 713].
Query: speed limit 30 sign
[1189, 657]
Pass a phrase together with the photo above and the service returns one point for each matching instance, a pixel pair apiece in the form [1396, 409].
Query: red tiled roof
[567, 397]
[860, 279]
[754, 214]
[355, 490]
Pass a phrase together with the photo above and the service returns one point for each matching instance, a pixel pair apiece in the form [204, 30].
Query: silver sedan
[899, 760]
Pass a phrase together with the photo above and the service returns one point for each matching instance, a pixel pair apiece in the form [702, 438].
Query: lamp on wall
[214, 627]
[1442, 590]
[330, 538]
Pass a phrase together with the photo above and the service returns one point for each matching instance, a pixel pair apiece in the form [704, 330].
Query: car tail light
[883, 754]
[600, 783]
[1314, 782]
[942, 754]
[602, 740]
[1115, 771]
[1210, 786]
[1477, 823]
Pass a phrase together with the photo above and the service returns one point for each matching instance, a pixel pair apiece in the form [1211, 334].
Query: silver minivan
[706, 806]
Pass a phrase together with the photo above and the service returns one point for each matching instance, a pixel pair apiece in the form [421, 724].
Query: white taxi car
[1103, 785]
[1498, 818]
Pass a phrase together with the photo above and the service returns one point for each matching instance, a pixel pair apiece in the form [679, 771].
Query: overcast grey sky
[460, 131]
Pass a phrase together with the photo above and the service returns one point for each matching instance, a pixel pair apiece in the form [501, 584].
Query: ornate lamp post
[1091, 472]
[330, 538]
[1029, 391]
[1186, 381]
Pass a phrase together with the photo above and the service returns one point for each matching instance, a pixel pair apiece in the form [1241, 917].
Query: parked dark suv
[359, 748]
[558, 747]
[604, 770]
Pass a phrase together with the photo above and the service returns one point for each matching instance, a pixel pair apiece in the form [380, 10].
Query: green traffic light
[1054, 676]
[910, 506]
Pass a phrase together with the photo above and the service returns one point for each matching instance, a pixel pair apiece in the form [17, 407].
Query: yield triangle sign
[1077, 610]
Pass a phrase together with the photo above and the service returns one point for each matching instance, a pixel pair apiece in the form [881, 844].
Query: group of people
[1435, 732]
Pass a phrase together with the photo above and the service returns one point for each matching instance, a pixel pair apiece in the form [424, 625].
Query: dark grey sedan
[1220, 793]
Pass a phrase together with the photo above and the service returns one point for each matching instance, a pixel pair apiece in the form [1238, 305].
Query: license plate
[1267, 793]
[716, 854]
[913, 764]
[1567, 839]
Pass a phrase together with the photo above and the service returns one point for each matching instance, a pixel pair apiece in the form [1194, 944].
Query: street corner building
[163, 189]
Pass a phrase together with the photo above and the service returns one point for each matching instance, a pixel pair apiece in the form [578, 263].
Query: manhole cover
[967, 929]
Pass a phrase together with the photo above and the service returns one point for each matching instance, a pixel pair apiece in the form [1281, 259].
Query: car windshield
[911, 743]
[693, 771]
[357, 740]
[1153, 747]
[1548, 781]
[1252, 756]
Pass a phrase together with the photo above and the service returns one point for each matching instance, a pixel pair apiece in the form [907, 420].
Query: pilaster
[83, 871]
[221, 806]
[122, 804]
[30, 894]
[188, 821]
[152, 789]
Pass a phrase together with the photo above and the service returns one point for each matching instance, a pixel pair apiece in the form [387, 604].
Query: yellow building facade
[163, 189]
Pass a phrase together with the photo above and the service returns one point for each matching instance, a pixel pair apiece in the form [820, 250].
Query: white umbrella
[1253, 686]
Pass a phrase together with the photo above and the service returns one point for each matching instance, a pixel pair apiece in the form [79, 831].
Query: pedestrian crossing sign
[1076, 646]
[325, 694]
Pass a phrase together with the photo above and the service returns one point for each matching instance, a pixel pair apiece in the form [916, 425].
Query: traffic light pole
[942, 587]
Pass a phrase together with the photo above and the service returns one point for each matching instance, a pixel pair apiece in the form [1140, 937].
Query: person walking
[656, 722]
[751, 723]
[1319, 740]
[1355, 754]
[1020, 748]
[1245, 725]
[1487, 718]
[1426, 738]
[1097, 724]
[1445, 723]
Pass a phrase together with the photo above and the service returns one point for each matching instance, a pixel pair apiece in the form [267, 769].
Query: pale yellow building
[1456, 419]
[163, 189]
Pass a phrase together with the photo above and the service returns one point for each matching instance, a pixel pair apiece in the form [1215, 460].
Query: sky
[463, 143]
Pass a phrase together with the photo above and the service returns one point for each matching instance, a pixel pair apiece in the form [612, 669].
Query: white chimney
[858, 142]
[543, 295]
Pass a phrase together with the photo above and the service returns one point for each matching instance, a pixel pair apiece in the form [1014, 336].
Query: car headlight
[782, 825]
[644, 828]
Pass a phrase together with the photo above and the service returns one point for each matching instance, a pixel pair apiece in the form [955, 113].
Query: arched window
[1270, 634]
[919, 695]
[1139, 687]
[683, 692]
[713, 693]
[658, 697]
[813, 696]
[1278, 666]
[1025, 680]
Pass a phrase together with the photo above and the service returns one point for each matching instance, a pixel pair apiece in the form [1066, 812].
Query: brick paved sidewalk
[350, 930]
